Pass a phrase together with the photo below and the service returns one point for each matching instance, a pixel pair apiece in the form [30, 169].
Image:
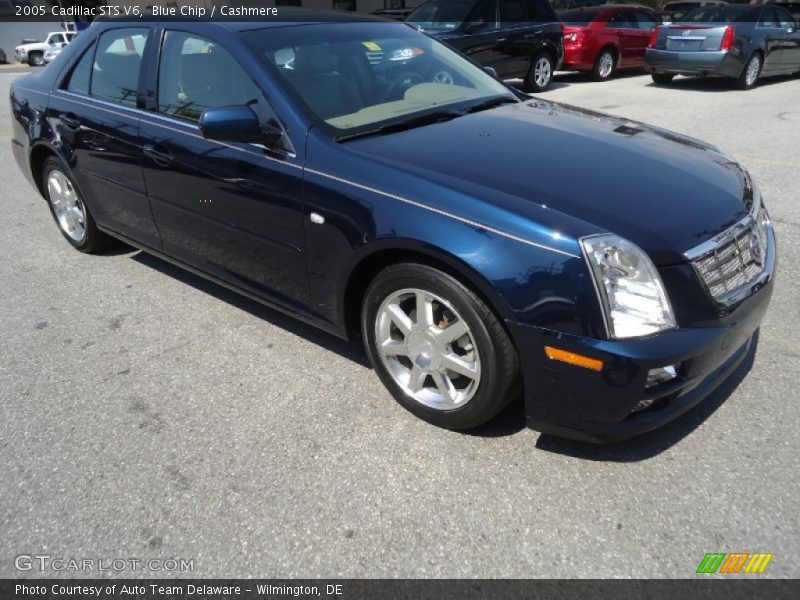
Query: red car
[602, 39]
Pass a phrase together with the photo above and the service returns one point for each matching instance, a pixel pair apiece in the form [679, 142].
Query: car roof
[289, 16]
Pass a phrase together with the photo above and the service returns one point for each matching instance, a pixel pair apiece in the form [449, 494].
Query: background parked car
[33, 52]
[519, 39]
[744, 42]
[602, 39]
[3, 57]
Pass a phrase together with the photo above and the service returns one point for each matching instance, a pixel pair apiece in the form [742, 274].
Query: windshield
[360, 77]
[440, 14]
[716, 14]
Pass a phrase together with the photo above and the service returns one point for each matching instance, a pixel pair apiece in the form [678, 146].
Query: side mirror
[474, 26]
[491, 71]
[233, 124]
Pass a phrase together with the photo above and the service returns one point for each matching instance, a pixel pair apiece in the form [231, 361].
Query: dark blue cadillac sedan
[373, 182]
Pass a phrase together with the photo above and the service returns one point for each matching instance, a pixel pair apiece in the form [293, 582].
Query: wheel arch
[39, 154]
[396, 251]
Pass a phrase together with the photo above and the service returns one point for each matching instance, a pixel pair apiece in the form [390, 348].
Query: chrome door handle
[160, 155]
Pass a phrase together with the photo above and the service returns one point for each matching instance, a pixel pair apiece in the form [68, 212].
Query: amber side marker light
[573, 359]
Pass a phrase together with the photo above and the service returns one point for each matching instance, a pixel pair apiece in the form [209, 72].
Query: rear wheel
[662, 78]
[69, 210]
[540, 74]
[605, 65]
[36, 59]
[437, 347]
[749, 77]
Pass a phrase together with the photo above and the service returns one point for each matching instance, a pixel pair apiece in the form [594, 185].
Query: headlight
[630, 289]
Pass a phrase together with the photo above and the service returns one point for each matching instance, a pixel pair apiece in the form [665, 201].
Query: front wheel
[662, 78]
[36, 59]
[437, 346]
[747, 80]
[540, 74]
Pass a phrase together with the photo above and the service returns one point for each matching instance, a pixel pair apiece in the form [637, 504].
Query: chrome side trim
[438, 211]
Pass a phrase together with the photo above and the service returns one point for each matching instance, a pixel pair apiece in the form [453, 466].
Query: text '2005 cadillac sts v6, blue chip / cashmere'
[377, 184]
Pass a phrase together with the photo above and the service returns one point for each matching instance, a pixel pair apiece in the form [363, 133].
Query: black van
[519, 39]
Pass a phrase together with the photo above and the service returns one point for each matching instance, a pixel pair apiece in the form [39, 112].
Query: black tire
[499, 364]
[530, 84]
[662, 78]
[36, 59]
[744, 82]
[598, 71]
[93, 239]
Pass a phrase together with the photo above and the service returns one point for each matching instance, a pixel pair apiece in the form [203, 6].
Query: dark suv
[519, 39]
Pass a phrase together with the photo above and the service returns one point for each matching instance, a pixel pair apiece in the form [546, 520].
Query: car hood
[665, 192]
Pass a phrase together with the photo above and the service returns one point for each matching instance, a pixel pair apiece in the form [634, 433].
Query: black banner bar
[369, 589]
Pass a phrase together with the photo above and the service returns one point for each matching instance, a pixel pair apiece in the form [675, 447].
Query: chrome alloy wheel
[606, 65]
[68, 207]
[428, 349]
[753, 68]
[542, 72]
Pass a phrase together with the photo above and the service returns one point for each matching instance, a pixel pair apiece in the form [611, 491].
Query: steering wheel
[444, 77]
[402, 82]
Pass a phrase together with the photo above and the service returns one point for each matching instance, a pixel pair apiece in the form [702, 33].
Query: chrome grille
[732, 260]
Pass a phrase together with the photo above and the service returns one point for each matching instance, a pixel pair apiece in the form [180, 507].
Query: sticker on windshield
[372, 46]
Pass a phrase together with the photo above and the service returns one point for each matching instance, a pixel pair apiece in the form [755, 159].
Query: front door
[232, 210]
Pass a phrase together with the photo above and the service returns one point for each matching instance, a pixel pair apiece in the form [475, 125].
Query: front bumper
[719, 64]
[599, 406]
[21, 55]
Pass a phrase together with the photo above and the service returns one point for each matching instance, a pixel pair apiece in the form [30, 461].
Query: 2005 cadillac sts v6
[375, 183]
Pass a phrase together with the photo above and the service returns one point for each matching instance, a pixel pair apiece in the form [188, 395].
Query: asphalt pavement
[146, 413]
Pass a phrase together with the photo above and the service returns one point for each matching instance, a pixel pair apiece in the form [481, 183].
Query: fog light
[660, 375]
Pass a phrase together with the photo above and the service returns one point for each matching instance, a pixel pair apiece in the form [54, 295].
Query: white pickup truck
[33, 53]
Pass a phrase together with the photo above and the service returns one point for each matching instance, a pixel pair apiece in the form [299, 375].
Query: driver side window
[196, 74]
[485, 11]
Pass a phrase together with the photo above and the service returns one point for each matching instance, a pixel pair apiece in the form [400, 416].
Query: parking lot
[146, 413]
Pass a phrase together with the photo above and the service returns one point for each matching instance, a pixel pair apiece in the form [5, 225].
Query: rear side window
[541, 11]
[512, 11]
[82, 73]
[196, 74]
[118, 60]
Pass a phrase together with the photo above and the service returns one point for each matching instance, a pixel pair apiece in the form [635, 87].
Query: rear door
[624, 27]
[479, 37]
[232, 210]
[95, 114]
[790, 55]
[519, 36]
[775, 38]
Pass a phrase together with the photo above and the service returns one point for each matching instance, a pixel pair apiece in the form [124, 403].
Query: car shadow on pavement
[655, 442]
[349, 350]
[716, 84]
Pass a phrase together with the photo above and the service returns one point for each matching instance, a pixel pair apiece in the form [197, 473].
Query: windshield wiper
[425, 119]
[490, 103]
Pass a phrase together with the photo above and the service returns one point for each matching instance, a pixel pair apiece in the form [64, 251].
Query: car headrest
[314, 60]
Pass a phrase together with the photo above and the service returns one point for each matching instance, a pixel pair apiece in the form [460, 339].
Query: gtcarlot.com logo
[45, 562]
[735, 562]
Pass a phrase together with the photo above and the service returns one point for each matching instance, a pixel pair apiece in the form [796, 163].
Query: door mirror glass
[234, 124]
